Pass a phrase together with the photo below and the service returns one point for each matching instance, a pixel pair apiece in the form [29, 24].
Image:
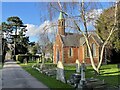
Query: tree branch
[108, 38]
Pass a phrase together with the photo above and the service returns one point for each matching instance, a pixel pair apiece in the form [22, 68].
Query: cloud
[93, 15]
[34, 30]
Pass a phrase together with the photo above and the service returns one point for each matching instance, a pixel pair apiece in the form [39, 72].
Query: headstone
[77, 66]
[25, 61]
[60, 72]
[83, 80]
[43, 63]
[83, 71]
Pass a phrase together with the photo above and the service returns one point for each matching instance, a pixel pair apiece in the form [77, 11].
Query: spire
[61, 16]
[61, 24]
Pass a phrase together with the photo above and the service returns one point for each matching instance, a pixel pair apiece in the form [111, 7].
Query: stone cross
[60, 72]
[77, 66]
[82, 73]
[82, 83]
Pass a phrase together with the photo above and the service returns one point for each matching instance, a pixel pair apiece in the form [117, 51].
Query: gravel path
[13, 76]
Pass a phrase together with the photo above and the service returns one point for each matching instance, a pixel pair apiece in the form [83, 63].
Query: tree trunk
[96, 68]
[102, 51]
[108, 38]
[89, 49]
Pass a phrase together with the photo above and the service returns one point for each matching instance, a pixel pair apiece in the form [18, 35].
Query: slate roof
[73, 39]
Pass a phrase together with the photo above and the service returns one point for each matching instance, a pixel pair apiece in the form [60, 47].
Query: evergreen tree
[18, 40]
[104, 25]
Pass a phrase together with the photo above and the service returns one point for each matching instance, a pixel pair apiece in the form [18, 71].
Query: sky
[30, 14]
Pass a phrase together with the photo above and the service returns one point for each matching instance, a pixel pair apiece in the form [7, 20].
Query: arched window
[70, 52]
[94, 49]
[62, 23]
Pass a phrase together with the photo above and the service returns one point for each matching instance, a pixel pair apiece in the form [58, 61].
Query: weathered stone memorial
[83, 80]
[42, 64]
[90, 83]
[77, 66]
[60, 72]
[25, 61]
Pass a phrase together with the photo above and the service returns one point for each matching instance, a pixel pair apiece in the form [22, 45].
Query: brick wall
[78, 52]
[57, 47]
[81, 53]
[70, 59]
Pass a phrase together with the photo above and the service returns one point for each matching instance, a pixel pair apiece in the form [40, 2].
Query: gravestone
[77, 66]
[25, 61]
[60, 72]
[83, 80]
[43, 62]
[83, 72]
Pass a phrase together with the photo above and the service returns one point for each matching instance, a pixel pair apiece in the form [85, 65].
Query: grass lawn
[109, 73]
[51, 82]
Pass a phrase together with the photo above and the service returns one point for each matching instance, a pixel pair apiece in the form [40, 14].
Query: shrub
[48, 60]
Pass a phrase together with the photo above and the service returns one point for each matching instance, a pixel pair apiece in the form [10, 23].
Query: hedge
[22, 57]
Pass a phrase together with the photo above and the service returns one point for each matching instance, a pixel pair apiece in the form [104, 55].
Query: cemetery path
[13, 76]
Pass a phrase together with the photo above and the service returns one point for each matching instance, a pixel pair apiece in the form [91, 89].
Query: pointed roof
[71, 39]
[74, 39]
[61, 16]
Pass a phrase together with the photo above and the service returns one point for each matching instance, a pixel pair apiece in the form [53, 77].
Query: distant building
[71, 46]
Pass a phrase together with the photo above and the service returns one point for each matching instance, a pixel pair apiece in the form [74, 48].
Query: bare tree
[85, 34]
[82, 18]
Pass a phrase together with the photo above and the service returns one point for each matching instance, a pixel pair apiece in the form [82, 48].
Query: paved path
[13, 76]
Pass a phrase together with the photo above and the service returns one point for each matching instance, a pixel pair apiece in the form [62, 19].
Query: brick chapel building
[71, 46]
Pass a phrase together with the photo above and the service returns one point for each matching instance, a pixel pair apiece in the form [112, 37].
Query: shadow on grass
[111, 80]
[68, 73]
[104, 68]
[51, 82]
[109, 72]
